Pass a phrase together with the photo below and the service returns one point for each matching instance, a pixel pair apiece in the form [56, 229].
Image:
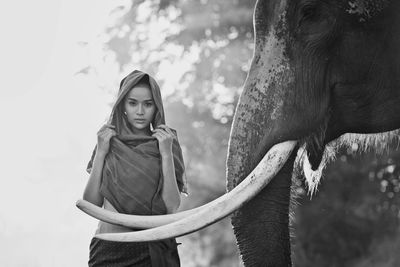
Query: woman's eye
[132, 103]
[149, 104]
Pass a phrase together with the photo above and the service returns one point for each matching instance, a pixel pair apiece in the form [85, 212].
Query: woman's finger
[108, 136]
[102, 128]
[157, 135]
[160, 131]
[167, 129]
[102, 133]
[107, 132]
[110, 130]
[105, 127]
[161, 136]
[164, 135]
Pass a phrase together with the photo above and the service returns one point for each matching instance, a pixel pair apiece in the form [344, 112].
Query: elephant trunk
[262, 225]
[269, 112]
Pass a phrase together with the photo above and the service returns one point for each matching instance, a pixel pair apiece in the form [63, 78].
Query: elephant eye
[308, 13]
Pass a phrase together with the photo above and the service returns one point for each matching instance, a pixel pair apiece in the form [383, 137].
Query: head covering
[136, 77]
[132, 173]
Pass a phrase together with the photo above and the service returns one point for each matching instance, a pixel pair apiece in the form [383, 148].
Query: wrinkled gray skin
[320, 69]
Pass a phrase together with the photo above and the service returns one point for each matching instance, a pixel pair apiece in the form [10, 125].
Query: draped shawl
[132, 176]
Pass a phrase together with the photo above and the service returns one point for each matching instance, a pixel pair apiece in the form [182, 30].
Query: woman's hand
[165, 137]
[103, 138]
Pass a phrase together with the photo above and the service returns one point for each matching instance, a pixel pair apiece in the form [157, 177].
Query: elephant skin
[320, 69]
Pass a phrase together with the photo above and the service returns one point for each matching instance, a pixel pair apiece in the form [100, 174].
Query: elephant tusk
[265, 171]
[133, 221]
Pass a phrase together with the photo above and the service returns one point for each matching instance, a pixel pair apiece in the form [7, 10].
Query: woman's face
[140, 108]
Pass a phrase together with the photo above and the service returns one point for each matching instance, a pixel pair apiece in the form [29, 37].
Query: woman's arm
[92, 190]
[170, 192]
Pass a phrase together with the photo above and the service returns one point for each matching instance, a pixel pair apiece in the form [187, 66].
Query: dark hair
[144, 81]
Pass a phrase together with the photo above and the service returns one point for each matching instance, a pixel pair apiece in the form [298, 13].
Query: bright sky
[49, 119]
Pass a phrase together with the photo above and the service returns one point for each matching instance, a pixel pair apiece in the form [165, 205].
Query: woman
[136, 168]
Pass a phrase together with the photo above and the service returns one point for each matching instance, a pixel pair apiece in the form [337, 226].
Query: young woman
[136, 168]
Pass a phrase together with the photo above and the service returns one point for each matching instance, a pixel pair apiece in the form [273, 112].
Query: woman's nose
[140, 110]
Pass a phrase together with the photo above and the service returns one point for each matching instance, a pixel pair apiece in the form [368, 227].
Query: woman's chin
[140, 127]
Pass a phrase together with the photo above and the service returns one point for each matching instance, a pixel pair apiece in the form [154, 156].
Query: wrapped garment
[132, 178]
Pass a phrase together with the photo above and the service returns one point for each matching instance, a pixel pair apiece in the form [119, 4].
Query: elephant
[321, 70]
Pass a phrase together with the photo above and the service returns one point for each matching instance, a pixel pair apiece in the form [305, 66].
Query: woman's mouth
[140, 120]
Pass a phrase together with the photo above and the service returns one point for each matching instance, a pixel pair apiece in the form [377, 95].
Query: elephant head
[320, 69]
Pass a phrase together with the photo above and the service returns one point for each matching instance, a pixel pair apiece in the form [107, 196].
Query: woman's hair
[144, 81]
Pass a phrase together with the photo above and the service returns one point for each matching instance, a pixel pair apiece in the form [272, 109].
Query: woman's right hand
[103, 138]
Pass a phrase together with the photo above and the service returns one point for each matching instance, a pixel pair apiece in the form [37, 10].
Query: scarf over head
[132, 176]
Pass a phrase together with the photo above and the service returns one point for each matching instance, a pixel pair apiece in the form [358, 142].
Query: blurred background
[61, 63]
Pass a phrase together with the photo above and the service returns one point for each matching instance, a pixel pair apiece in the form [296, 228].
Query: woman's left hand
[165, 138]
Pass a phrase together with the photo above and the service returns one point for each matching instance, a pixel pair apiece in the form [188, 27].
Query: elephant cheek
[264, 110]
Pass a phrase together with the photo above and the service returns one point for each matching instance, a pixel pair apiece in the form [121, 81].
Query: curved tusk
[133, 221]
[269, 166]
